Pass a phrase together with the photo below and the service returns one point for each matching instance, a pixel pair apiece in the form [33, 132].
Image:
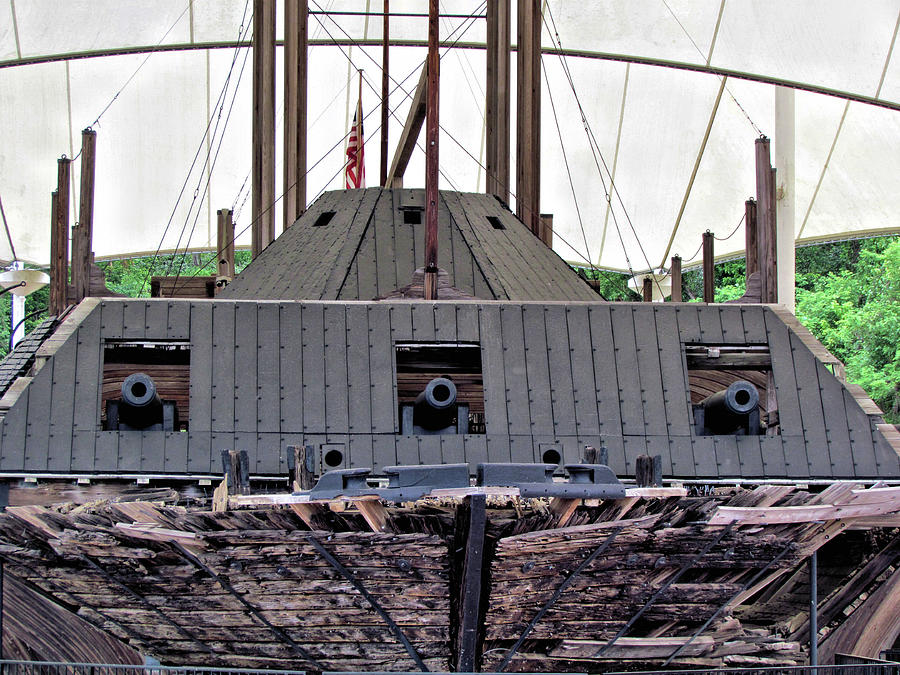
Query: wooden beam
[470, 608]
[304, 466]
[497, 103]
[410, 134]
[82, 236]
[563, 509]
[225, 248]
[263, 170]
[385, 88]
[647, 289]
[432, 138]
[528, 118]
[59, 262]
[296, 23]
[709, 267]
[546, 234]
[374, 513]
[675, 273]
[765, 219]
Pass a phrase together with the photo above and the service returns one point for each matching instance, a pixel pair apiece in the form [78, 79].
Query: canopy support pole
[432, 128]
[263, 184]
[497, 103]
[750, 239]
[296, 26]
[385, 90]
[225, 249]
[528, 118]
[784, 203]
[675, 273]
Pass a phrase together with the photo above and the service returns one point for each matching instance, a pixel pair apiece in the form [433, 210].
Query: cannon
[435, 411]
[140, 407]
[732, 411]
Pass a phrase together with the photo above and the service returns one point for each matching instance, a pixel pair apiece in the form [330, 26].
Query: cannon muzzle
[140, 408]
[730, 411]
[139, 391]
[435, 406]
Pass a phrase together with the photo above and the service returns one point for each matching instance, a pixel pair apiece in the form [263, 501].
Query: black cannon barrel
[139, 391]
[435, 406]
[728, 409]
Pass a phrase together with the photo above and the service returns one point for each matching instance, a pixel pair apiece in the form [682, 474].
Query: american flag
[355, 170]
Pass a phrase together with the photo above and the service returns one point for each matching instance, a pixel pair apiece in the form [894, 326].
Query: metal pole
[385, 53]
[814, 609]
[431, 155]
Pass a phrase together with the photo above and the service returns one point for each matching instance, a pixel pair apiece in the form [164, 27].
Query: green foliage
[131, 276]
[855, 311]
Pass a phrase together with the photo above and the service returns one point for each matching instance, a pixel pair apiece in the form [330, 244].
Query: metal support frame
[473, 569]
[814, 609]
[344, 572]
[556, 596]
[756, 577]
[196, 562]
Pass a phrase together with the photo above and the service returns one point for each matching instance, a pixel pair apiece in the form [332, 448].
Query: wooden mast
[385, 53]
[59, 240]
[263, 183]
[528, 119]
[431, 155]
[497, 103]
[83, 235]
[296, 25]
[765, 222]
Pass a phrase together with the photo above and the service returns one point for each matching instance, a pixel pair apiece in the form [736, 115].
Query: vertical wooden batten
[709, 267]
[83, 235]
[497, 103]
[528, 119]
[675, 273]
[765, 222]
[432, 129]
[296, 27]
[263, 187]
[59, 242]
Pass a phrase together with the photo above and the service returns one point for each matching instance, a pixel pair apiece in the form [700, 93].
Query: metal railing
[51, 668]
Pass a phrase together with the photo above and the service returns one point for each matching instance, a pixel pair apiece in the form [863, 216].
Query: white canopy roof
[647, 74]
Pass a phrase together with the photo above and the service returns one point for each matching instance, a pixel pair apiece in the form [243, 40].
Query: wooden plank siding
[556, 376]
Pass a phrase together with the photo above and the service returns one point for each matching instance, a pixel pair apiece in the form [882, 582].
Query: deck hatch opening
[324, 218]
[412, 216]
[496, 223]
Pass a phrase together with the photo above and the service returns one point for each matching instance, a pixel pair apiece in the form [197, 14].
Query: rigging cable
[241, 34]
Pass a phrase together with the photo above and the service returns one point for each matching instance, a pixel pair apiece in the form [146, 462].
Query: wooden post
[546, 234]
[236, 464]
[528, 118]
[675, 273]
[497, 103]
[594, 456]
[647, 289]
[750, 238]
[225, 247]
[709, 269]
[296, 22]
[765, 219]
[411, 130]
[303, 458]
[263, 184]
[385, 89]
[472, 572]
[59, 255]
[431, 155]
[82, 244]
